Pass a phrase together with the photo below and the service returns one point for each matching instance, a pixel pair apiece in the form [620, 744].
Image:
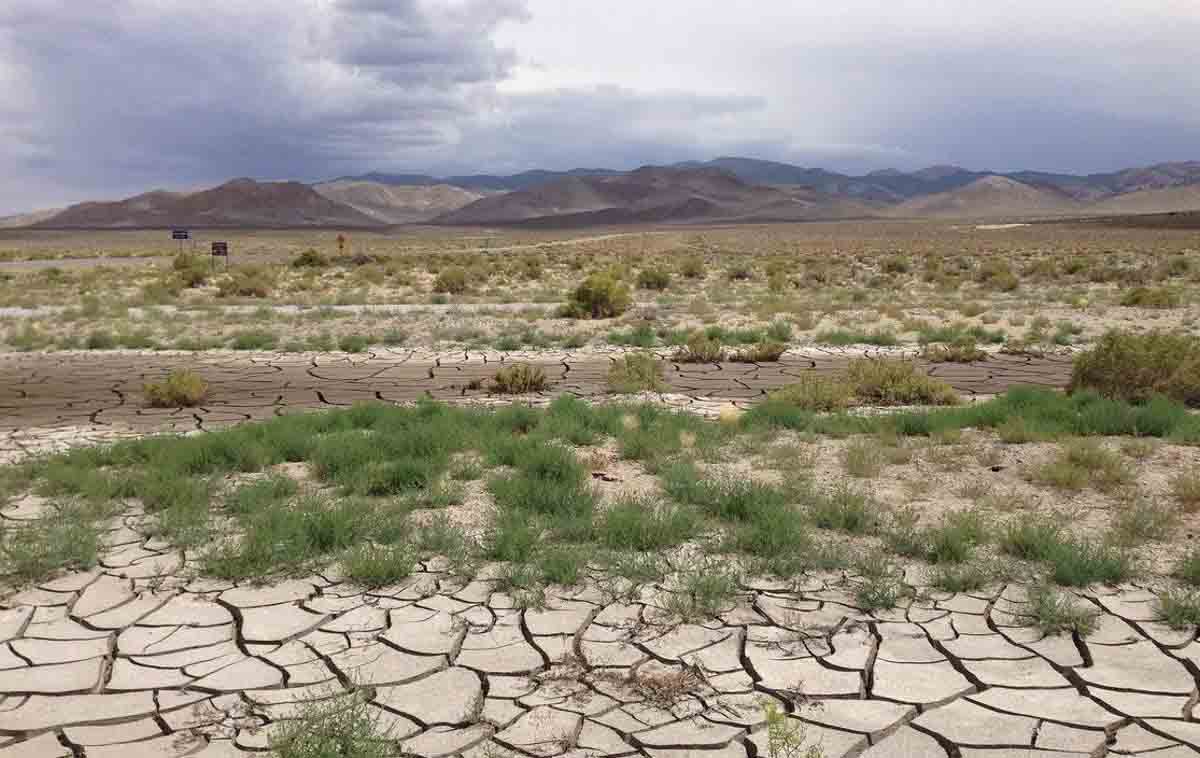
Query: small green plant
[786, 736]
[879, 586]
[345, 726]
[1188, 568]
[181, 388]
[816, 392]
[519, 379]
[599, 296]
[704, 590]
[960, 351]
[636, 372]
[1055, 612]
[254, 339]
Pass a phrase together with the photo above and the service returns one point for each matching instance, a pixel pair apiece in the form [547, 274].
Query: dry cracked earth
[142, 658]
[50, 400]
[139, 658]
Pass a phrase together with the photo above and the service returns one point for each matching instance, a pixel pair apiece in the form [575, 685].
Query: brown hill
[239, 203]
[1165, 200]
[396, 204]
[649, 194]
[988, 197]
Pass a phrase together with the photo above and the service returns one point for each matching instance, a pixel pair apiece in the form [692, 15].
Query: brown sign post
[220, 250]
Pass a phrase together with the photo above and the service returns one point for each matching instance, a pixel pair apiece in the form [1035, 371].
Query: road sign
[220, 249]
[180, 234]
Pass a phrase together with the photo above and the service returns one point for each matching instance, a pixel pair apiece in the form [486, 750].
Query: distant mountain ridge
[723, 188]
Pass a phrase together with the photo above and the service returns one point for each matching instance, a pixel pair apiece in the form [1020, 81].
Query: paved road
[65, 395]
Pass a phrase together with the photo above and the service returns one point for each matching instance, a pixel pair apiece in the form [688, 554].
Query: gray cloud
[111, 97]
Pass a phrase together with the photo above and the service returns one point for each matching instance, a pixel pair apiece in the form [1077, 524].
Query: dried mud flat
[140, 658]
[52, 400]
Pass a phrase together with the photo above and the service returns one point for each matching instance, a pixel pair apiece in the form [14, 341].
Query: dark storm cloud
[109, 97]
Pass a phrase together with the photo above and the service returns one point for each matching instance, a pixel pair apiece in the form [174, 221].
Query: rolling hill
[397, 204]
[988, 197]
[239, 203]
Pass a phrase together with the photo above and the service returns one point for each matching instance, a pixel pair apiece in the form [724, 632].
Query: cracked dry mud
[51, 400]
[140, 658]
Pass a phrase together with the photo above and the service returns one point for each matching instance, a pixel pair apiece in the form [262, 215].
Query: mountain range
[724, 189]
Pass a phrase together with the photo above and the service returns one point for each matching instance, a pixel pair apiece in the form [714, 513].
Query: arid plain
[829, 489]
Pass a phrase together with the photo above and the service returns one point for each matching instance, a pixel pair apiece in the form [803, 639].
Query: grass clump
[1055, 612]
[1082, 463]
[68, 541]
[847, 337]
[702, 590]
[598, 296]
[179, 389]
[519, 379]
[372, 565]
[641, 523]
[959, 351]
[254, 339]
[636, 372]
[700, 348]
[1185, 489]
[1136, 367]
[1180, 608]
[815, 392]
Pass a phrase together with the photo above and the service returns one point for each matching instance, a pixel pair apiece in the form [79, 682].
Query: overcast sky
[100, 98]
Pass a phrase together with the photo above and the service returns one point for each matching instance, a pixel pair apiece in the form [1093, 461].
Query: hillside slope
[989, 197]
[397, 204]
[242, 203]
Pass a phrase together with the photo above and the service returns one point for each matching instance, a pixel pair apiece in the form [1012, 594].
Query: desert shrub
[996, 274]
[100, 340]
[637, 372]
[816, 392]
[254, 339]
[1151, 297]
[654, 279]
[353, 343]
[884, 382]
[739, 272]
[451, 281]
[180, 389]
[700, 348]
[247, 281]
[310, 258]
[763, 352]
[599, 296]
[1135, 367]
[519, 379]
[692, 268]
[960, 351]
[192, 270]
